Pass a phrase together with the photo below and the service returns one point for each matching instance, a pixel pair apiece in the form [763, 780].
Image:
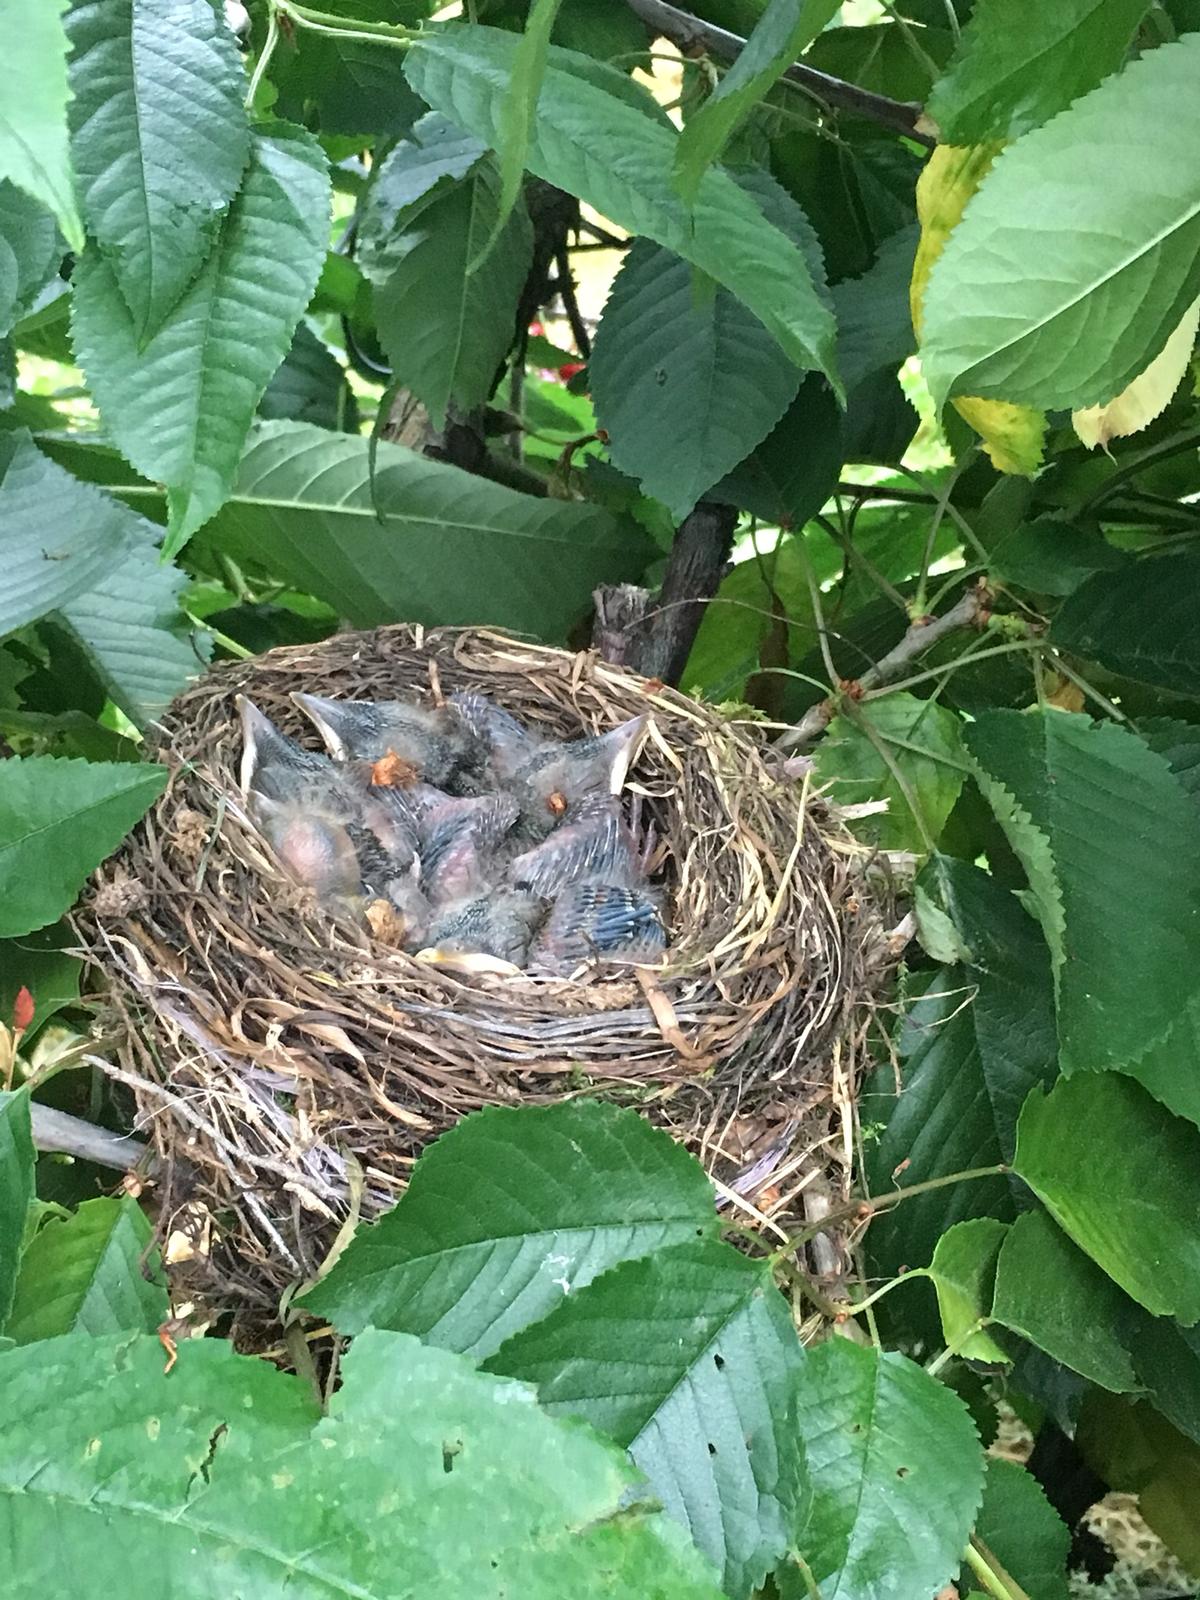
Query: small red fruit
[22, 1014]
[569, 369]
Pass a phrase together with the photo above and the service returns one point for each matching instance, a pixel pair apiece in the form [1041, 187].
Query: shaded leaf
[784, 30]
[685, 382]
[310, 386]
[1139, 622]
[1053, 558]
[1023, 309]
[920, 775]
[1166, 1358]
[1139, 1452]
[446, 329]
[29, 252]
[84, 1274]
[39, 962]
[180, 406]
[1056, 1297]
[1098, 822]
[452, 548]
[1019, 62]
[33, 109]
[688, 1358]
[1134, 1204]
[509, 1212]
[897, 1475]
[1021, 1528]
[58, 820]
[789, 476]
[209, 1477]
[159, 140]
[16, 1188]
[874, 317]
[597, 146]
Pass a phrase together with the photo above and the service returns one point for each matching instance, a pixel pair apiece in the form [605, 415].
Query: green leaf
[180, 406]
[159, 139]
[436, 154]
[897, 1475]
[785, 28]
[73, 553]
[1099, 822]
[1019, 63]
[221, 1477]
[1053, 1295]
[445, 328]
[973, 1044]
[16, 1187]
[509, 1212]
[33, 109]
[686, 383]
[452, 548]
[602, 149]
[688, 1358]
[85, 1274]
[40, 963]
[1134, 1203]
[1138, 1452]
[1020, 307]
[1021, 1528]
[1054, 558]
[963, 1272]
[1167, 1360]
[518, 115]
[902, 750]
[29, 253]
[58, 820]
[310, 386]
[1138, 623]
[787, 478]
[874, 316]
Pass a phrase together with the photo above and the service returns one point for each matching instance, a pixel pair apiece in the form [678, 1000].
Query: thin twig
[689, 32]
[969, 612]
[63, 1134]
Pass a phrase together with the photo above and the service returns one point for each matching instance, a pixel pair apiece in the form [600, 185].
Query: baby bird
[557, 778]
[594, 843]
[277, 768]
[435, 744]
[500, 924]
[457, 843]
[508, 743]
[604, 921]
[315, 850]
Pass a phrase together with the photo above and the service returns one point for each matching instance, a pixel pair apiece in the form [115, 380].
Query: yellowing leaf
[1148, 394]
[1012, 435]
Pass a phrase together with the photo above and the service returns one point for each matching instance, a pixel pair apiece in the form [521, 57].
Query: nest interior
[282, 1059]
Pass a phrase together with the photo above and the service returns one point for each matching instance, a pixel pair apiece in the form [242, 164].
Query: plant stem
[993, 1577]
[389, 33]
[688, 31]
[863, 1209]
[264, 59]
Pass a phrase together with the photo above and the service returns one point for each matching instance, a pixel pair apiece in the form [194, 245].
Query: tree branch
[690, 33]
[971, 611]
[654, 635]
[60, 1132]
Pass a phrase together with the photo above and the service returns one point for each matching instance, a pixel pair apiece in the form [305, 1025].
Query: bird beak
[621, 747]
[330, 718]
[466, 962]
[257, 728]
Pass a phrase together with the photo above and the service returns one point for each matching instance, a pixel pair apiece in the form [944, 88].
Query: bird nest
[291, 1066]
